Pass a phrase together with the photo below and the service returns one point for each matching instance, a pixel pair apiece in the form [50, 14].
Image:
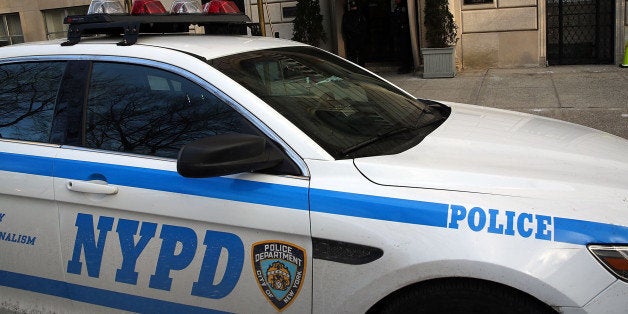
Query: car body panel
[415, 225]
[491, 151]
[490, 194]
[213, 222]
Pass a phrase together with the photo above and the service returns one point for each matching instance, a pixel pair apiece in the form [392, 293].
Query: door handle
[93, 187]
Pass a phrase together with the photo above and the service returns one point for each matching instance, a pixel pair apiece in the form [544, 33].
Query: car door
[139, 237]
[30, 257]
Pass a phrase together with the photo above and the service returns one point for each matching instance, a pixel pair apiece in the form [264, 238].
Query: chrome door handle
[94, 187]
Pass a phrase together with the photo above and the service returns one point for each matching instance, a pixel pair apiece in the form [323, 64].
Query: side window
[142, 110]
[28, 93]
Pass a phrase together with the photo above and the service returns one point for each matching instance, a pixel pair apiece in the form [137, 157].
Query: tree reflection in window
[142, 110]
[27, 97]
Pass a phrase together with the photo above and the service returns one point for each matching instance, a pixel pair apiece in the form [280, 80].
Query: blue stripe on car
[324, 201]
[586, 232]
[112, 299]
[26, 164]
[380, 208]
[169, 181]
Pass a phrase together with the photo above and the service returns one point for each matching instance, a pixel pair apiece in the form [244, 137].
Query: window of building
[477, 1]
[54, 20]
[478, 4]
[11, 29]
[27, 97]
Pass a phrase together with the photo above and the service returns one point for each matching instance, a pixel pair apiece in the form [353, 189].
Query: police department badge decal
[280, 269]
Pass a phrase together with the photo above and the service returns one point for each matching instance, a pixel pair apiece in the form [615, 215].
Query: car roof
[206, 46]
[213, 46]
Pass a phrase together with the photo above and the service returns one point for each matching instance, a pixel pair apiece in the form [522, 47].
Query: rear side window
[148, 111]
[28, 92]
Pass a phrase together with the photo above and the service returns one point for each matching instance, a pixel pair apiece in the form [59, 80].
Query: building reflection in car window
[28, 92]
[143, 110]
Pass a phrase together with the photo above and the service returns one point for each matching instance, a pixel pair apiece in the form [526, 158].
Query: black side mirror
[226, 154]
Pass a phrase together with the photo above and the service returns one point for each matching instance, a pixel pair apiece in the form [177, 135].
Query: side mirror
[226, 154]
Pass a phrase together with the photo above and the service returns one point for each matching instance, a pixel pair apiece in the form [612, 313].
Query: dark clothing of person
[401, 38]
[354, 33]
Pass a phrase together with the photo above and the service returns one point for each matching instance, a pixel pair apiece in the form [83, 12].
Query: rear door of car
[139, 237]
[30, 257]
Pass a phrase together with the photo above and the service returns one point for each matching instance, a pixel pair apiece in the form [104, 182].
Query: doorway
[580, 31]
[378, 17]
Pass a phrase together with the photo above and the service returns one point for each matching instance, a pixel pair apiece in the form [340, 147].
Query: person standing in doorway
[401, 37]
[354, 33]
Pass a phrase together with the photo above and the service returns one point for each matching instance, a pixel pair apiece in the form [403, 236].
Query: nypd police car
[237, 173]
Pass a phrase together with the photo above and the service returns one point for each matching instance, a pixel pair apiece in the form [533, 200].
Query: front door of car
[139, 237]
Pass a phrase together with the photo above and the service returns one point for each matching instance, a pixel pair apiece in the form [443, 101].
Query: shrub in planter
[440, 33]
[440, 28]
[308, 23]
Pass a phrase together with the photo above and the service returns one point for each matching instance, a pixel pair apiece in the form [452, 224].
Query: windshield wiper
[390, 133]
[379, 137]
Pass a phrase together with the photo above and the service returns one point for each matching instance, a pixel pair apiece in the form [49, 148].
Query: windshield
[346, 110]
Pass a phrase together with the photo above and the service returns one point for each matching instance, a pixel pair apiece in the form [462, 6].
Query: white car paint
[491, 194]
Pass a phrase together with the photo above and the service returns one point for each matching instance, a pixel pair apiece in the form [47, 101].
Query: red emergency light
[143, 7]
[220, 7]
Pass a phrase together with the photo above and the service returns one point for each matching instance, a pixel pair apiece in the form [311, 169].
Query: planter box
[439, 62]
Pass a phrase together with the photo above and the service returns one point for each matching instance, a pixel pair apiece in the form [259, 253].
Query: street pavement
[592, 95]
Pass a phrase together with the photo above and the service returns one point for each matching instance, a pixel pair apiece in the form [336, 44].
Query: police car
[187, 173]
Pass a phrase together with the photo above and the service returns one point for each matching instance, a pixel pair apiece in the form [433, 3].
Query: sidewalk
[591, 95]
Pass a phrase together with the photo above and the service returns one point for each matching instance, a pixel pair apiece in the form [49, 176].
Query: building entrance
[380, 42]
[580, 31]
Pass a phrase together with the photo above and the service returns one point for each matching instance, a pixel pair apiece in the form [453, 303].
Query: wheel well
[439, 283]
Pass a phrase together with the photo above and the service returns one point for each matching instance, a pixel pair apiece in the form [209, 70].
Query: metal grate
[580, 31]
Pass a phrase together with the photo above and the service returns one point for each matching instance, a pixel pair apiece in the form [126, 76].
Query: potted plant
[308, 23]
[439, 58]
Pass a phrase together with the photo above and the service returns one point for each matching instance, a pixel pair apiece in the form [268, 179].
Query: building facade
[36, 20]
[514, 33]
[491, 33]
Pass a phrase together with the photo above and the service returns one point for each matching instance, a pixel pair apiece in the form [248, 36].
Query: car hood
[485, 150]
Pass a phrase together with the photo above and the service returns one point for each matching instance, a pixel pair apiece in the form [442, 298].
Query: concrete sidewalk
[591, 95]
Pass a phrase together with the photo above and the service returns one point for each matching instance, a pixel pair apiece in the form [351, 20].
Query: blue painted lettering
[126, 230]
[85, 240]
[502, 222]
[1, 216]
[458, 213]
[510, 223]
[493, 227]
[178, 248]
[168, 260]
[479, 223]
[215, 241]
[521, 225]
[17, 238]
[542, 222]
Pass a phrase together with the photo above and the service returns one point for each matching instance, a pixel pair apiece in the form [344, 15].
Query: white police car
[185, 173]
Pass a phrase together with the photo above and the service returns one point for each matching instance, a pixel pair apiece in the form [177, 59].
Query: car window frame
[194, 78]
